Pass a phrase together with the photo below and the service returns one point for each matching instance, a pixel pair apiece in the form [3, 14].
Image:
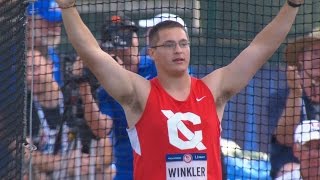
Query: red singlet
[177, 139]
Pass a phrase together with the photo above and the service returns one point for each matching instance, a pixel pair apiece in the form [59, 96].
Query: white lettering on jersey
[176, 124]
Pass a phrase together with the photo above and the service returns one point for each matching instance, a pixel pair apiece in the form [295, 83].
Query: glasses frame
[314, 81]
[173, 45]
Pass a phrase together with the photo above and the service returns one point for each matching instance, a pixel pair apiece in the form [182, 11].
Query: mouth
[178, 60]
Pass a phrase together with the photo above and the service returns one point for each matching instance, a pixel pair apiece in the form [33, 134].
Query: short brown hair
[299, 45]
[154, 32]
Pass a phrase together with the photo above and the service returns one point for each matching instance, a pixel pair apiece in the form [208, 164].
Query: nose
[178, 49]
[315, 154]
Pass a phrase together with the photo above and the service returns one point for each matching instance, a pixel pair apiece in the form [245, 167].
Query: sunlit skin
[172, 62]
[309, 156]
[310, 72]
[44, 87]
[45, 33]
[42, 71]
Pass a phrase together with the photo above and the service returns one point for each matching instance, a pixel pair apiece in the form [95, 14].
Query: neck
[178, 86]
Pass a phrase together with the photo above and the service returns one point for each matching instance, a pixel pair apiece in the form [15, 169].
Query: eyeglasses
[315, 80]
[172, 44]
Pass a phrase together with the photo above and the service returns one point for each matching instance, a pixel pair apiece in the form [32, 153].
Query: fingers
[28, 149]
[294, 79]
[64, 4]
[78, 67]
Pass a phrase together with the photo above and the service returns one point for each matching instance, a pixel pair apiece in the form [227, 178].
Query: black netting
[12, 87]
[68, 148]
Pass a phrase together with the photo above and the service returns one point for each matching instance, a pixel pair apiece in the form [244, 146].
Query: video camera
[117, 33]
[70, 78]
[73, 107]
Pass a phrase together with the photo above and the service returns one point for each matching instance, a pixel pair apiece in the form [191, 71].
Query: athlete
[174, 119]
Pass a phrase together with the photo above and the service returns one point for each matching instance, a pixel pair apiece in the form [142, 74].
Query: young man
[174, 119]
[307, 149]
[299, 102]
[149, 23]
[146, 62]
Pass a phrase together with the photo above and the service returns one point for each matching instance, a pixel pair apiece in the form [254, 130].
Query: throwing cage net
[12, 70]
[54, 117]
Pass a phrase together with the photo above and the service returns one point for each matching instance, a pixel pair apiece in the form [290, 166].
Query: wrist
[294, 5]
[296, 92]
[67, 6]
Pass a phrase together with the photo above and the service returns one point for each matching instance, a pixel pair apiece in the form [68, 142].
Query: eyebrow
[182, 40]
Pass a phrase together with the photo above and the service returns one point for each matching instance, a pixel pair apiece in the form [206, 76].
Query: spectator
[299, 102]
[120, 29]
[46, 30]
[47, 110]
[55, 157]
[306, 149]
[174, 117]
[92, 114]
[117, 29]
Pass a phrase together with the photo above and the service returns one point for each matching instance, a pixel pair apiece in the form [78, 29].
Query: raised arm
[291, 114]
[119, 83]
[229, 80]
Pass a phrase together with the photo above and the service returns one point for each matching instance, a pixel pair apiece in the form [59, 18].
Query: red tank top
[177, 139]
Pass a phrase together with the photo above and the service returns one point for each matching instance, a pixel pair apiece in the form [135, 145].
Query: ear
[299, 62]
[297, 150]
[151, 52]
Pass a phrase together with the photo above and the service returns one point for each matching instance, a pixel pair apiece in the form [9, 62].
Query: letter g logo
[175, 124]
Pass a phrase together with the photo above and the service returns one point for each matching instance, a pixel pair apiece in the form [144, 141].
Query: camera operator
[83, 111]
[120, 39]
[91, 111]
[59, 155]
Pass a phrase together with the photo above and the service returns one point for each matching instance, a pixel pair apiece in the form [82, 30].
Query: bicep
[242, 69]
[116, 80]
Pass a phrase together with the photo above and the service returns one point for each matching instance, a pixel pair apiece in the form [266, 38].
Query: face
[309, 156]
[129, 57]
[172, 52]
[41, 71]
[45, 33]
[310, 74]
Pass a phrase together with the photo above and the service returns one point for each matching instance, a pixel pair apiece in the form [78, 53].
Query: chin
[316, 99]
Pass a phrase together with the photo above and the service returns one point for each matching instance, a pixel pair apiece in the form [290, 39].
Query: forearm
[45, 162]
[78, 33]
[289, 119]
[249, 61]
[100, 157]
[98, 122]
[276, 31]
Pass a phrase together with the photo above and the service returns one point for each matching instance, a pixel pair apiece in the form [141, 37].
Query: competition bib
[186, 166]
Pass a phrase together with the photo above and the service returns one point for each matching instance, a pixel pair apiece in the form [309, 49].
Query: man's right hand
[294, 81]
[64, 4]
